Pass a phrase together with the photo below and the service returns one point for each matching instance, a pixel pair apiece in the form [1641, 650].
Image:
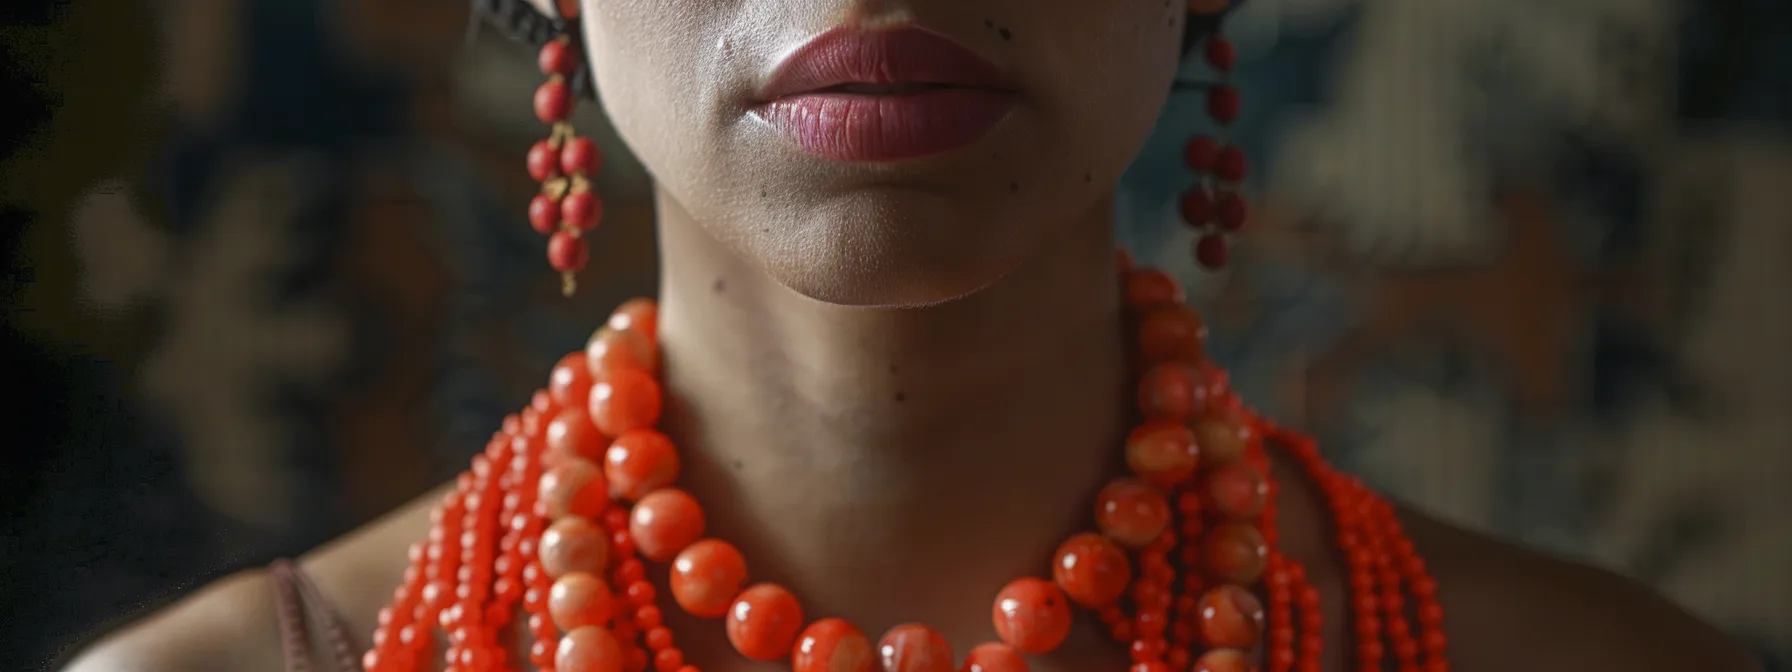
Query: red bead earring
[1213, 205]
[567, 209]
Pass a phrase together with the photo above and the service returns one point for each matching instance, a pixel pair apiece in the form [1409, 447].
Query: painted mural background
[1519, 262]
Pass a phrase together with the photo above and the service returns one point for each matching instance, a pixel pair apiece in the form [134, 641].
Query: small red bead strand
[567, 208]
[1213, 206]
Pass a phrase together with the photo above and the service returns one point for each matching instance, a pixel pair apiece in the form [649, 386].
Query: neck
[954, 443]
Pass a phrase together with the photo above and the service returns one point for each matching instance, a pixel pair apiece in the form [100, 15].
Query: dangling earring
[1213, 206]
[567, 209]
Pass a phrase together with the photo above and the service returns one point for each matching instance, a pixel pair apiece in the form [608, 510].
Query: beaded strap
[297, 600]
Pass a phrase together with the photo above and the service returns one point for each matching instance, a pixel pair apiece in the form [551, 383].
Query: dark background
[357, 164]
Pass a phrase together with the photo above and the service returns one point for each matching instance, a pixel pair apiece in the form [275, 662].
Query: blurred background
[1522, 263]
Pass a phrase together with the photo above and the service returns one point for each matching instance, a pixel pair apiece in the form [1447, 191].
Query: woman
[889, 365]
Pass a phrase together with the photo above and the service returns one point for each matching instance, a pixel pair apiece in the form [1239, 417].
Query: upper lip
[894, 57]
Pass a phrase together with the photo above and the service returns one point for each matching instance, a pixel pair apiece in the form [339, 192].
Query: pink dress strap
[298, 604]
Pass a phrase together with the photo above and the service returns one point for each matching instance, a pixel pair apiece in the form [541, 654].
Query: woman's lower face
[879, 152]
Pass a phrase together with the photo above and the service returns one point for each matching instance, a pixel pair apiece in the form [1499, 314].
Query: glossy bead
[707, 576]
[1148, 288]
[580, 157]
[544, 162]
[612, 349]
[572, 435]
[567, 252]
[763, 622]
[582, 210]
[914, 648]
[573, 487]
[1231, 165]
[1234, 553]
[1166, 392]
[665, 522]
[1231, 212]
[553, 101]
[1091, 570]
[1229, 616]
[638, 315]
[1221, 441]
[1032, 615]
[1196, 207]
[574, 545]
[570, 382]
[640, 461]
[1200, 153]
[624, 400]
[579, 599]
[544, 214]
[1211, 251]
[1131, 512]
[1237, 491]
[1223, 660]
[1223, 103]
[1171, 332]
[994, 657]
[556, 58]
[1162, 453]
[588, 649]
[1220, 53]
[831, 645]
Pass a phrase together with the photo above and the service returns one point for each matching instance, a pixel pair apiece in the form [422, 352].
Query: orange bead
[570, 382]
[588, 649]
[639, 315]
[639, 462]
[665, 522]
[571, 434]
[612, 349]
[1237, 491]
[1229, 617]
[1032, 615]
[1131, 512]
[1166, 393]
[1223, 660]
[763, 622]
[707, 576]
[624, 400]
[994, 657]
[1234, 553]
[1222, 441]
[574, 487]
[573, 545]
[1091, 570]
[578, 599]
[831, 645]
[914, 648]
[1148, 287]
[1171, 333]
[1162, 453]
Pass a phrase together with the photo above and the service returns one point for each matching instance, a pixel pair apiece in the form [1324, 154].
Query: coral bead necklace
[577, 494]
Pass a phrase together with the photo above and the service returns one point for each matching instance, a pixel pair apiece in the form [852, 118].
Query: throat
[855, 454]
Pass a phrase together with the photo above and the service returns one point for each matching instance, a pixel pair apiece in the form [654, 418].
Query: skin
[888, 329]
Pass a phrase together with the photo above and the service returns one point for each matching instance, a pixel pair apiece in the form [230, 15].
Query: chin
[888, 249]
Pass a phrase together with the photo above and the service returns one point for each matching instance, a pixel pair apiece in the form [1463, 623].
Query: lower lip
[861, 128]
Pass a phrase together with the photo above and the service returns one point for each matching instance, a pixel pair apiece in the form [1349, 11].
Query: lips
[884, 96]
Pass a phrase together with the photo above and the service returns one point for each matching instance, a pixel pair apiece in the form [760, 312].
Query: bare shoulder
[227, 625]
[231, 624]
[1511, 608]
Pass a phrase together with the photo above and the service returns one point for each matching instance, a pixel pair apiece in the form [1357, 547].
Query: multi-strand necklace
[577, 497]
